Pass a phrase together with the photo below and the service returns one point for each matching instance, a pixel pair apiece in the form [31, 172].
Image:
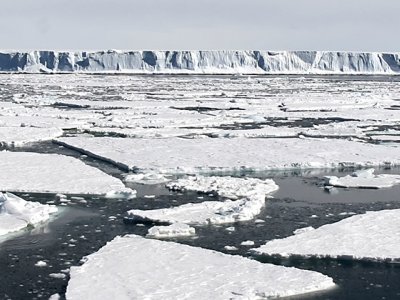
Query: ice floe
[173, 230]
[133, 267]
[17, 214]
[17, 136]
[176, 155]
[33, 172]
[364, 179]
[250, 193]
[370, 236]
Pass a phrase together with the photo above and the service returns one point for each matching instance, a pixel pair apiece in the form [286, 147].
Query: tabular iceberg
[200, 62]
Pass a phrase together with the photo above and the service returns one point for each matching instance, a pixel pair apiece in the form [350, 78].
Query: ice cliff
[202, 62]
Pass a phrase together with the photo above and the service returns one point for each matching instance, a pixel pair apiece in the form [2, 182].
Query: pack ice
[202, 62]
[133, 267]
[370, 236]
[364, 179]
[16, 213]
[33, 172]
[246, 199]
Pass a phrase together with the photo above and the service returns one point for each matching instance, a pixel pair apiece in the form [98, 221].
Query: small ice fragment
[247, 243]
[58, 275]
[55, 297]
[41, 263]
[173, 230]
[230, 248]
[257, 221]
[230, 228]
[314, 216]
[149, 196]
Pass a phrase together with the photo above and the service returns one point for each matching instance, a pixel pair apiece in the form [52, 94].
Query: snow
[17, 136]
[202, 62]
[17, 214]
[175, 155]
[173, 230]
[364, 179]
[370, 236]
[133, 267]
[53, 173]
[250, 193]
[147, 178]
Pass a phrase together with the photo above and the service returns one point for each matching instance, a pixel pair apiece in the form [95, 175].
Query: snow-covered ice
[147, 178]
[364, 179]
[173, 230]
[17, 136]
[371, 236]
[17, 214]
[33, 172]
[133, 267]
[176, 155]
[250, 193]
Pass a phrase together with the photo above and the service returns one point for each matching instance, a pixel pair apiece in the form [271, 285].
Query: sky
[350, 25]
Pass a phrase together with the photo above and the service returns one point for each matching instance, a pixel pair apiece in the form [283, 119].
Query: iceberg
[201, 62]
[132, 267]
[371, 236]
[17, 214]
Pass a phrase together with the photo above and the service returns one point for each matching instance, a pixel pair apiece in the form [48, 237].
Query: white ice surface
[133, 267]
[147, 178]
[173, 230]
[16, 213]
[17, 136]
[250, 192]
[176, 155]
[364, 179]
[373, 236]
[33, 172]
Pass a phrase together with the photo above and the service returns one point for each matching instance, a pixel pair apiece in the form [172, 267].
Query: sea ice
[173, 230]
[372, 236]
[146, 178]
[133, 267]
[364, 179]
[33, 172]
[16, 213]
[17, 136]
[250, 193]
[176, 155]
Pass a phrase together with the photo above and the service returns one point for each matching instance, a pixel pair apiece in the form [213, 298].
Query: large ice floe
[175, 155]
[202, 62]
[133, 267]
[364, 179]
[370, 236]
[247, 194]
[33, 172]
[17, 214]
[17, 136]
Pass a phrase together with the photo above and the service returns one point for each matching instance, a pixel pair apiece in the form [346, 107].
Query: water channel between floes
[85, 223]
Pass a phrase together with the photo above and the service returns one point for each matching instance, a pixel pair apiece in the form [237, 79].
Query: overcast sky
[359, 25]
